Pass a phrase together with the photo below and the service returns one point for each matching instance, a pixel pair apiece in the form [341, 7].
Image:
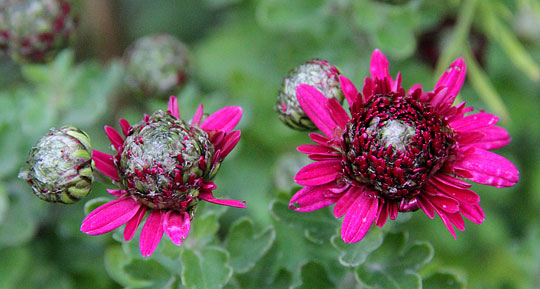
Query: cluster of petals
[445, 193]
[175, 223]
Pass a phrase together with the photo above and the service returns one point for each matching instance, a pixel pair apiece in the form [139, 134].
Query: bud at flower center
[394, 144]
[164, 161]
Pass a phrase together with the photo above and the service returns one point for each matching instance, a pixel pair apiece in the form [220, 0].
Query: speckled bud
[60, 166]
[35, 30]
[156, 66]
[317, 73]
[164, 161]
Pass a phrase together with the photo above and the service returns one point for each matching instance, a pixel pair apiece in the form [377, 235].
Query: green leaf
[442, 280]
[148, 270]
[203, 231]
[207, 269]
[291, 15]
[21, 226]
[14, 264]
[245, 247]
[115, 262]
[318, 226]
[4, 202]
[94, 203]
[355, 254]
[393, 267]
[314, 276]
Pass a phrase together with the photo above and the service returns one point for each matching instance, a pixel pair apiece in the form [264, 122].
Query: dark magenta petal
[116, 193]
[229, 142]
[176, 226]
[346, 200]
[359, 218]
[349, 90]
[173, 107]
[318, 173]
[494, 137]
[488, 168]
[340, 116]
[314, 105]
[125, 126]
[110, 216]
[114, 136]
[453, 79]
[105, 164]
[379, 65]
[209, 197]
[224, 119]
[313, 198]
[133, 223]
[198, 115]
[151, 233]
[475, 121]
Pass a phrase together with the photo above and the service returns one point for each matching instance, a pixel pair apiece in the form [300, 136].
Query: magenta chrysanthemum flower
[399, 151]
[163, 165]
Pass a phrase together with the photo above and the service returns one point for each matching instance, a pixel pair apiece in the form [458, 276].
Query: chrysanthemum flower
[163, 165]
[399, 151]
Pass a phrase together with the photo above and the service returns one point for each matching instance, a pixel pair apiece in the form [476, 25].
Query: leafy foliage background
[241, 49]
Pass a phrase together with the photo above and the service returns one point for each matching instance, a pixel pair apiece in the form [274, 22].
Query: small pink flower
[399, 151]
[165, 166]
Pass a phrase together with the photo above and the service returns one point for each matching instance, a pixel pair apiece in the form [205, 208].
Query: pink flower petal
[447, 222]
[133, 223]
[125, 126]
[151, 233]
[494, 137]
[315, 149]
[110, 216]
[116, 193]
[446, 204]
[475, 121]
[198, 115]
[461, 194]
[229, 142]
[346, 200]
[473, 212]
[209, 197]
[453, 79]
[176, 226]
[488, 168]
[173, 108]
[382, 213]
[426, 206]
[318, 173]
[314, 105]
[396, 85]
[224, 119]
[309, 199]
[349, 90]
[379, 65]
[320, 139]
[116, 139]
[105, 164]
[340, 116]
[359, 218]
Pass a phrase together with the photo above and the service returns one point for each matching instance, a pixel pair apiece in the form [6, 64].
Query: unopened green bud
[156, 66]
[35, 30]
[317, 73]
[60, 166]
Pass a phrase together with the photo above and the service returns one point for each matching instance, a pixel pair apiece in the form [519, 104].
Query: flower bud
[60, 166]
[164, 161]
[317, 73]
[156, 66]
[35, 30]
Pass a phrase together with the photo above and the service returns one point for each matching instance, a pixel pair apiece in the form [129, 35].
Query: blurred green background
[240, 51]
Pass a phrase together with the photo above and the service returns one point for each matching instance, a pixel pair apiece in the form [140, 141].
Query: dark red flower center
[164, 162]
[394, 144]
